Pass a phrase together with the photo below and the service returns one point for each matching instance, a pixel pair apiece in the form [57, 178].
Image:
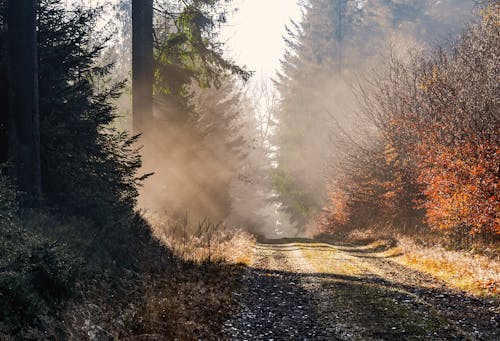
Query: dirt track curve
[298, 289]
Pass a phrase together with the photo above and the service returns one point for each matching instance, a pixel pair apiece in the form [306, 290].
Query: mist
[332, 54]
[207, 150]
[191, 170]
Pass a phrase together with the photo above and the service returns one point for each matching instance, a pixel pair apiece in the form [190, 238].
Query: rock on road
[297, 289]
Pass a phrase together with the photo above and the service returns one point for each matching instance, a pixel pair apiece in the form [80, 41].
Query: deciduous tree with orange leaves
[436, 146]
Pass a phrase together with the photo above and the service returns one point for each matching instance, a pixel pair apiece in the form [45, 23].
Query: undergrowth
[63, 277]
[204, 241]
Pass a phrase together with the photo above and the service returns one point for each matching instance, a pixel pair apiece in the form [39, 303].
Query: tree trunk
[142, 64]
[24, 126]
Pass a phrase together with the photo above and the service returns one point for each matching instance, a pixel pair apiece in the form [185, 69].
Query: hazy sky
[254, 34]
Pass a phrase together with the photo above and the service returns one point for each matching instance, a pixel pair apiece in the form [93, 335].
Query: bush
[433, 159]
[8, 200]
[36, 274]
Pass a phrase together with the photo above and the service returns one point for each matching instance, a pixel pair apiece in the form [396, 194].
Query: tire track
[302, 290]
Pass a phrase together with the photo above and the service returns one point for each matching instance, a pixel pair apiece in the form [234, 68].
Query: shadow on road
[407, 305]
[360, 247]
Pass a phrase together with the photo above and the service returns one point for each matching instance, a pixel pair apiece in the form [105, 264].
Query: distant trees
[434, 157]
[24, 132]
[330, 41]
[335, 43]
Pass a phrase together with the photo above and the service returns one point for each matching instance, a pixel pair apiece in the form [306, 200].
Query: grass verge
[472, 272]
[64, 278]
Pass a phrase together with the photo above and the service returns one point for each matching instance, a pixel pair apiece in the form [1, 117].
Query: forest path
[298, 289]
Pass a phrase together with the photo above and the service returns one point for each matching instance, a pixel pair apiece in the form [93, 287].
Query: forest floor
[301, 289]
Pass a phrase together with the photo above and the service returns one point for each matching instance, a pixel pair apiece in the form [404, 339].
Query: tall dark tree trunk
[142, 64]
[24, 126]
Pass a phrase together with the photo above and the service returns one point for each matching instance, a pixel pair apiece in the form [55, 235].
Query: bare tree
[266, 101]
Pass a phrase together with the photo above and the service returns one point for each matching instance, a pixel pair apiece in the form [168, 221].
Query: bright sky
[254, 34]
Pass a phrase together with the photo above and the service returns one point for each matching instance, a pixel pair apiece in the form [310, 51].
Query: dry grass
[474, 273]
[126, 284]
[192, 305]
[189, 303]
[204, 241]
[188, 298]
[193, 301]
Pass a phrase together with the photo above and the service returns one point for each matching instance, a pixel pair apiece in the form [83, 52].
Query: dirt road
[298, 289]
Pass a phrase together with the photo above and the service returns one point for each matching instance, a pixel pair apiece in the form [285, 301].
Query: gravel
[301, 291]
[274, 305]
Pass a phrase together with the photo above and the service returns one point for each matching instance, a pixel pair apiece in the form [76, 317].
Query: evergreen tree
[197, 118]
[312, 60]
[88, 166]
[187, 52]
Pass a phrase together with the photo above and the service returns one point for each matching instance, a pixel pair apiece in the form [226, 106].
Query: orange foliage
[438, 148]
[462, 186]
[336, 213]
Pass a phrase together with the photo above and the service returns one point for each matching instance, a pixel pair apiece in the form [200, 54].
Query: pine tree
[88, 166]
[187, 136]
[314, 59]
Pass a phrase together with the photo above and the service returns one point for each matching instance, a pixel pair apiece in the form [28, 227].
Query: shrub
[36, 274]
[8, 200]
[435, 151]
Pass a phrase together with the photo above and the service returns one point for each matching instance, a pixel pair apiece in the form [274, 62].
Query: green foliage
[88, 166]
[299, 204]
[36, 275]
[187, 50]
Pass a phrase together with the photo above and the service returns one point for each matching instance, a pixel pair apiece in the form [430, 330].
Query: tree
[197, 116]
[187, 51]
[88, 166]
[23, 90]
[431, 159]
[142, 64]
[313, 63]
[336, 41]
